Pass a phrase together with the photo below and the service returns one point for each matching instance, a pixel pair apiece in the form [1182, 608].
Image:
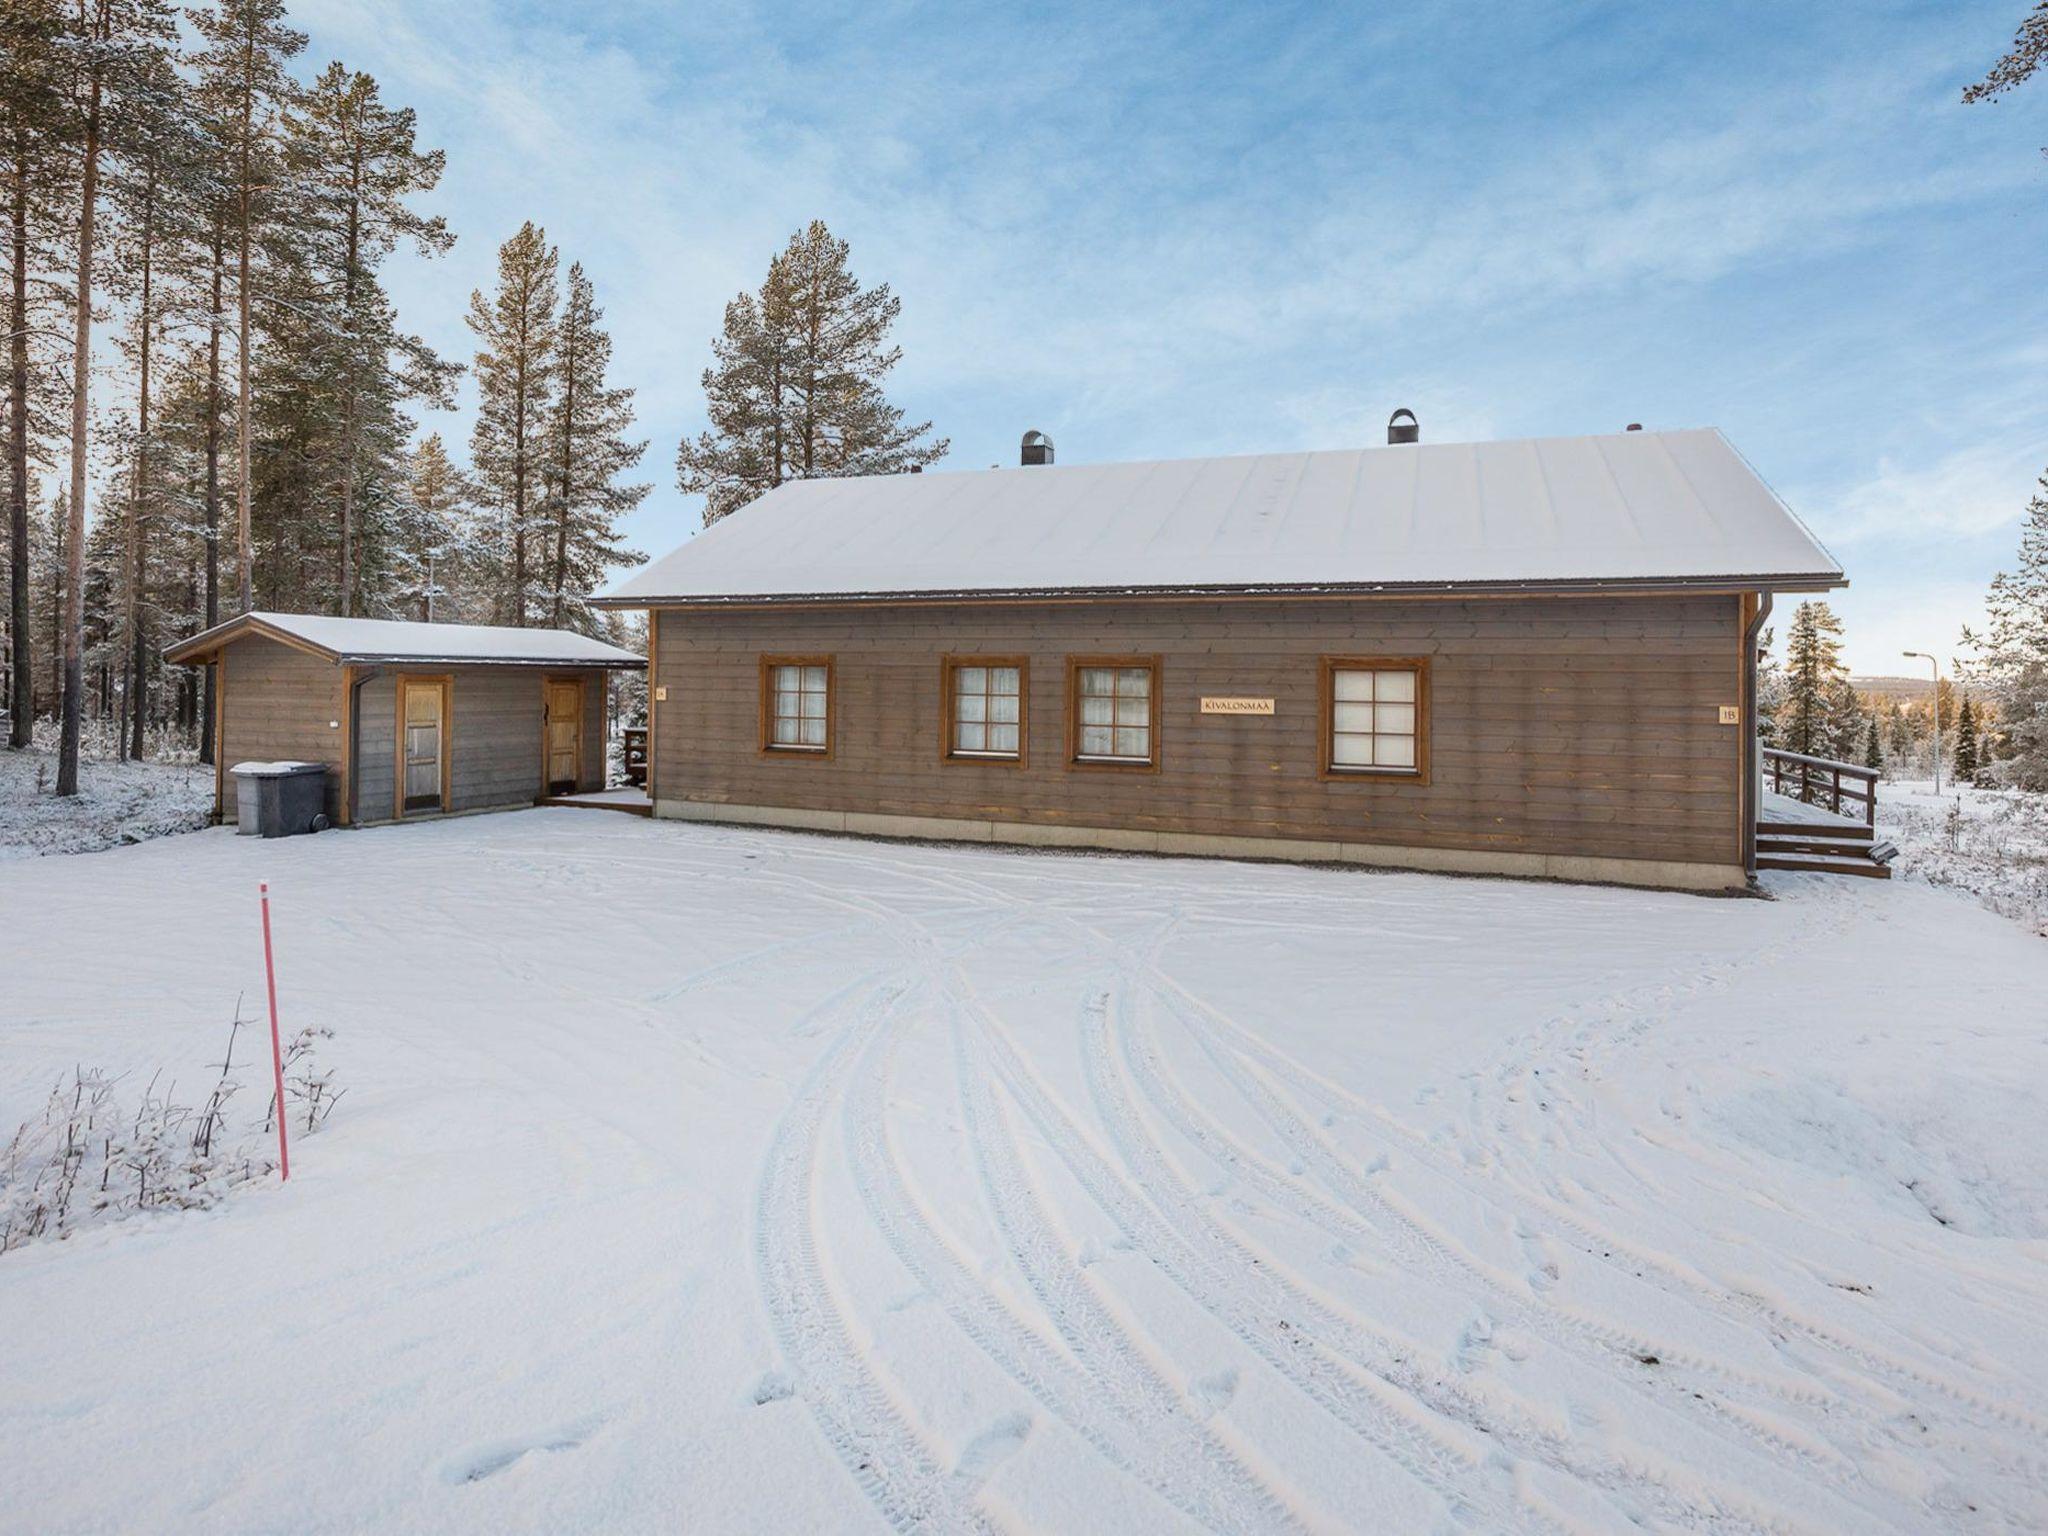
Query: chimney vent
[1400, 431]
[1635, 426]
[917, 469]
[1037, 448]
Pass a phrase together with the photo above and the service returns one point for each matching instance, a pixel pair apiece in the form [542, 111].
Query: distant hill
[1897, 687]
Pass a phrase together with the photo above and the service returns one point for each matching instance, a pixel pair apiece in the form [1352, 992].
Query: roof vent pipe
[1037, 448]
[1400, 431]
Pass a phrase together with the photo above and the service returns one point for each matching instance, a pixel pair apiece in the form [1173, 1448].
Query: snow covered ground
[723, 1180]
[117, 802]
[1992, 843]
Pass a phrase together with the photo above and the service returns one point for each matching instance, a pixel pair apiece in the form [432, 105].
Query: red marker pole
[284, 1156]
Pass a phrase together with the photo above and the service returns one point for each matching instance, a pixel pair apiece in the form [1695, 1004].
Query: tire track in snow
[1147, 1432]
[1367, 1220]
[1263, 1323]
[858, 1416]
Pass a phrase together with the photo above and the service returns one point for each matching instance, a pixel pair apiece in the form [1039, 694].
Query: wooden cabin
[1524, 658]
[491, 717]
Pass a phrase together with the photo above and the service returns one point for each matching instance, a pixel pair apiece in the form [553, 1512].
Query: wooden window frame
[949, 718]
[1075, 761]
[770, 747]
[446, 682]
[1326, 740]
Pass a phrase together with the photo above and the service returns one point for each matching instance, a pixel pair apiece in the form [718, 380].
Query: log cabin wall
[276, 705]
[1567, 726]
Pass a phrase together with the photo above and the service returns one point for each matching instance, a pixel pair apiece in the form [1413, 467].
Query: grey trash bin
[280, 799]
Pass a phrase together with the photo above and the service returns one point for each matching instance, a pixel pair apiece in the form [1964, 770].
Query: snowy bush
[91, 1156]
[1990, 843]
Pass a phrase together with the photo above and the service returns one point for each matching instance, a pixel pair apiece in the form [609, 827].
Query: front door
[564, 735]
[425, 733]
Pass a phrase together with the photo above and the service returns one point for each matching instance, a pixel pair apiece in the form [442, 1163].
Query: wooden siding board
[1571, 725]
[283, 701]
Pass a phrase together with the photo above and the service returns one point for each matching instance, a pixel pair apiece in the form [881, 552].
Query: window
[796, 704]
[985, 708]
[1115, 711]
[1375, 716]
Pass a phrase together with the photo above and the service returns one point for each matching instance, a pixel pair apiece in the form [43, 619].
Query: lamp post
[1936, 665]
[432, 556]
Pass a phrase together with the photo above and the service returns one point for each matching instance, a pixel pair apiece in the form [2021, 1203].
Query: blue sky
[1157, 231]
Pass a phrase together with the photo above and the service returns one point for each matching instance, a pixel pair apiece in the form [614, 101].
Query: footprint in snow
[495, 1456]
[1214, 1392]
[773, 1388]
[991, 1448]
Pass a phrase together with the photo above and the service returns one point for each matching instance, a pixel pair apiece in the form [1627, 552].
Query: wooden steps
[630, 807]
[1823, 849]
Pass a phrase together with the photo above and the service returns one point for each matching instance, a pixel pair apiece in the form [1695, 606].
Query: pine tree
[38, 150]
[587, 454]
[515, 377]
[1966, 744]
[357, 166]
[1873, 749]
[119, 49]
[2012, 654]
[796, 388]
[242, 70]
[1813, 669]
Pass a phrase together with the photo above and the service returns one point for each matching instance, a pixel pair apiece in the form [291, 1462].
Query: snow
[117, 803]
[744, 1180]
[394, 640]
[1992, 843]
[1783, 809]
[1626, 506]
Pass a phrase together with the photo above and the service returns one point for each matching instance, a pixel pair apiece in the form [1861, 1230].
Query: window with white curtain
[1114, 712]
[1375, 716]
[797, 699]
[985, 708]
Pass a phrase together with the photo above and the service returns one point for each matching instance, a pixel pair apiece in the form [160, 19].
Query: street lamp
[433, 554]
[1922, 655]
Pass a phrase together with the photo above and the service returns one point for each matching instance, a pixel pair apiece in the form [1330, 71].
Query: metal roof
[1636, 508]
[373, 641]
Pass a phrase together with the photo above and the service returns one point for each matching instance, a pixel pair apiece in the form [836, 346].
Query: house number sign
[1219, 706]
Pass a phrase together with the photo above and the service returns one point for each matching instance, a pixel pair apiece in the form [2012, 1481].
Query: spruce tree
[1813, 669]
[795, 391]
[1966, 743]
[1873, 749]
[515, 378]
[587, 453]
[2012, 653]
[447, 557]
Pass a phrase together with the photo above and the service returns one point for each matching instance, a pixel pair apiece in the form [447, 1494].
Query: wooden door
[423, 745]
[564, 735]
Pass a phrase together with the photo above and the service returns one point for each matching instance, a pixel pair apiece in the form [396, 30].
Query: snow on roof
[1627, 507]
[396, 640]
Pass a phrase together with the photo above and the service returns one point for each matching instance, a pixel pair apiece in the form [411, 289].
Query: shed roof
[1638, 508]
[373, 641]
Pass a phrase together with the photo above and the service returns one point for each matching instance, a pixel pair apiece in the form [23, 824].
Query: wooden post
[284, 1154]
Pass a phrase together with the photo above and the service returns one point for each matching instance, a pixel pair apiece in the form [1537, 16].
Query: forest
[210, 396]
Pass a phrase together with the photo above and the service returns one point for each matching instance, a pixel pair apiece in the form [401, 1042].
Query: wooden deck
[1820, 816]
[631, 800]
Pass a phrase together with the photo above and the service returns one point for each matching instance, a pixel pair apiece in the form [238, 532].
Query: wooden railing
[635, 737]
[1847, 789]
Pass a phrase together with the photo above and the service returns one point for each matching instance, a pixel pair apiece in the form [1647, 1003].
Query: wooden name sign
[1236, 706]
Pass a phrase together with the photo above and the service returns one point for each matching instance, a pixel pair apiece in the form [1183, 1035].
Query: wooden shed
[491, 717]
[1532, 658]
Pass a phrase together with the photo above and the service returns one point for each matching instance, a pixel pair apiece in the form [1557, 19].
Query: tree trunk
[562, 486]
[138, 535]
[21, 722]
[212, 474]
[81, 383]
[348, 431]
[519, 493]
[245, 577]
